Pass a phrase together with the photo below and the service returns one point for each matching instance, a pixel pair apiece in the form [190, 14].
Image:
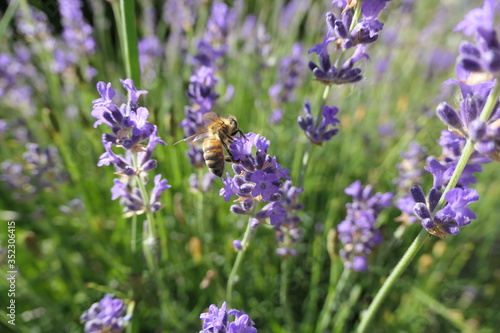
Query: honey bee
[219, 134]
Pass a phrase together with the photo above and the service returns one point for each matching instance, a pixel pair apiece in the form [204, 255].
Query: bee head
[232, 125]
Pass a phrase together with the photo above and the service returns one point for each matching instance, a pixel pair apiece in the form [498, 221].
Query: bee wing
[210, 117]
[194, 137]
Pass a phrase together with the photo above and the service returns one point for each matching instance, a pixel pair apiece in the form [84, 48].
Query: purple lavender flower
[180, 14]
[150, 56]
[345, 35]
[328, 74]
[357, 232]
[485, 57]
[130, 129]
[410, 173]
[452, 217]
[257, 42]
[213, 45]
[202, 96]
[291, 71]
[410, 168]
[217, 320]
[259, 178]
[108, 315]
[77, 32]
[40, 170]
[322, 132]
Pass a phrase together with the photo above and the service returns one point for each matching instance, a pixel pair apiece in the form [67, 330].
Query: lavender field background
[337, 101]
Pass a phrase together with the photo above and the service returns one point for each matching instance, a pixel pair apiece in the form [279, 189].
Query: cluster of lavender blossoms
[202, 96]
[346, 34]
[410, 173]
[476, 68]
[77, 37]
[319, 131]
[216, 320]
[41, 169]
[214, 43]
[290, 74]
[358, 232]
[130, 129]
[107, 315]
[201, 91]
[259, 178]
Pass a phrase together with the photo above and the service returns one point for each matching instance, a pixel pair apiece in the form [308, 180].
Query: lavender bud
[448, 115]
[237, 245]
[254, 223]
[235, 209]
[427, 223]
[418, 194]
[470, 64]
[340, 29]
[330, 20]
[492, 60]
[149, 165]
[248, 204]
[486, 147]
[246, 188]
[434, 196]
[477, 129]
[467, 48]
[421, 211]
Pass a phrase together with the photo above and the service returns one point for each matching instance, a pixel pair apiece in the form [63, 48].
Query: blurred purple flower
[291, 71]
[357, 232]
[485, 57]
[151, 53]
[216, 320]
[108, 315]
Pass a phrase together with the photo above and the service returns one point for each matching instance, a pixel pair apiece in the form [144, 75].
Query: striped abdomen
[214, 155]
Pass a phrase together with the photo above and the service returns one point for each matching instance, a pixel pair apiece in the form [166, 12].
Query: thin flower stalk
[422, 236]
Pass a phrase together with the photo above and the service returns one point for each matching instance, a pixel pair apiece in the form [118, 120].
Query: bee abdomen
[214, 156]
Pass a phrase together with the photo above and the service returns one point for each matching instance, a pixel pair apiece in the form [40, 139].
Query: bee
[219, 133]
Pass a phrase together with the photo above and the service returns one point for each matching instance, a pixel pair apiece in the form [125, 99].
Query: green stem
[307, 152]
[285, 269]
[357, 15]
[237, 263]
[7, 17]
[334, 290]
[419, 241]
[469, 146]
[129, 41]
[391, 280]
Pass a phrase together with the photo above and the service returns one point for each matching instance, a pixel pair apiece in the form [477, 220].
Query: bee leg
[229, 158]
[242, 135]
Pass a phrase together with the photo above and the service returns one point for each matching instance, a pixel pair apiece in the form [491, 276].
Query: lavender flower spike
[322, 132]
[108, 315]
[130, 131]
[216, 320]
[357, 232]
[452, 217]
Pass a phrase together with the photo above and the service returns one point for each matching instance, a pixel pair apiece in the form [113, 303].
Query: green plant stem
[237, 263]
[469, 146]
[336, 286]
[419, 241]
[285, 271]
[357, 15]
[391, 280]
[307, 152]
[129, 41]
[7, 17]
